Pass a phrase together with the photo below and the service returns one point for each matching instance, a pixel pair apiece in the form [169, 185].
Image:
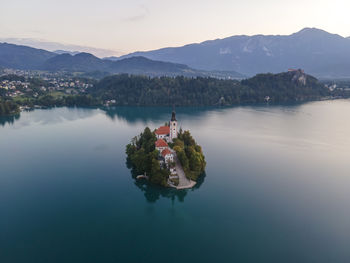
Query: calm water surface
[277, 187]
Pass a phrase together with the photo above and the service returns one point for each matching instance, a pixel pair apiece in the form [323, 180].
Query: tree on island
[190, 155]
[143, 158]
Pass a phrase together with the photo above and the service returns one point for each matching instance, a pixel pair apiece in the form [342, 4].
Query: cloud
[142, 15]
[135, 18]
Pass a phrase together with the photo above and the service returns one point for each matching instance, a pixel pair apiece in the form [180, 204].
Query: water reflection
[128, 114]
[9, 119]
[155, 114]
[132, 114]
[153, 193]
[276, 191]
[63, 114]
[49, 116]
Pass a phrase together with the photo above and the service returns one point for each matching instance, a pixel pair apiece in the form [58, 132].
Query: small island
[167, 156]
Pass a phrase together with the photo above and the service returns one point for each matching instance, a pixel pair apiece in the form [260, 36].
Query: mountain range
[318, 52]
[28, 58]
[60, 47]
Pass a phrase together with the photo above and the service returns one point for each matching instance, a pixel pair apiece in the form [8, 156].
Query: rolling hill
[55, 46]
[22, 57]
[286, 87]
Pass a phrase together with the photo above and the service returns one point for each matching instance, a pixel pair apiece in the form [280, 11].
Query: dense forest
[139, 90]
[60, 101]
[285, 87]
[142, 158]
[129, 90]
[190, 155]
[8, 107]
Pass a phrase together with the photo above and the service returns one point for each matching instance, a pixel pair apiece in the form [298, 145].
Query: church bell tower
[173, 126]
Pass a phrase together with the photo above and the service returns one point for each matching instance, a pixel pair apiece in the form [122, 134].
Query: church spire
[173, 117]
[173, 125]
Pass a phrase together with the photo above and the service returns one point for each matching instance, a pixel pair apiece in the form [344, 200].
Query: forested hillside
[138, 90]
[129, 90]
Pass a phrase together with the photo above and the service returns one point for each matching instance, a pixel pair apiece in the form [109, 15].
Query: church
[168, 133]
[164, 135]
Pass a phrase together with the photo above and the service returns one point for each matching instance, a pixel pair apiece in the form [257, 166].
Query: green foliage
[37, 83]
[143, 158]
[8, 107]
[158, 175]
[139, 90]
[283, 87]
[183, 159]
[190, 155]
[178, 143]
[49, 100]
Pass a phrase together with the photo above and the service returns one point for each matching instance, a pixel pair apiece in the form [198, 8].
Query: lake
[276, 187]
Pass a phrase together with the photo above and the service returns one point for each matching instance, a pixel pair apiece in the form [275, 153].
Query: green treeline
[8, 107]
[190, 155]
[131, 90]
[285, 87]
[142, 157]
[58, 101]
[146, 91]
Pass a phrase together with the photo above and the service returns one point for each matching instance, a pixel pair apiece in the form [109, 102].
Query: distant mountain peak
[319, 52]
[313, 32]
[85, 55]
[311, 29]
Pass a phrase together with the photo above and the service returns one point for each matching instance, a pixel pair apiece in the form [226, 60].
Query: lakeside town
[15, 83]
[34, 83]
[29, 89]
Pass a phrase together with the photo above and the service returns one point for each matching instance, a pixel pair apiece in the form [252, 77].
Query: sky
[139, 25]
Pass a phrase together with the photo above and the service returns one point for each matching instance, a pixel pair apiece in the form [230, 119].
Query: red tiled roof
[161, 143]
[163, 130]
[166, 152]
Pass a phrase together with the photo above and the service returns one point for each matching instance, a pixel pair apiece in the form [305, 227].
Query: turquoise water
[276, 187]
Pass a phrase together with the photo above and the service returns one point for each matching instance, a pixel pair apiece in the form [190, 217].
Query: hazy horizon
[138, 25]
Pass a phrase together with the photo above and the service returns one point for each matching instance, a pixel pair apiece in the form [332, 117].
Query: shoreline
[25, 108]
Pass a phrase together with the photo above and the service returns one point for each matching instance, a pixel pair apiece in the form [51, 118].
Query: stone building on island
[166, 134]
[161, 145]
[163, 133]
[167, 156]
